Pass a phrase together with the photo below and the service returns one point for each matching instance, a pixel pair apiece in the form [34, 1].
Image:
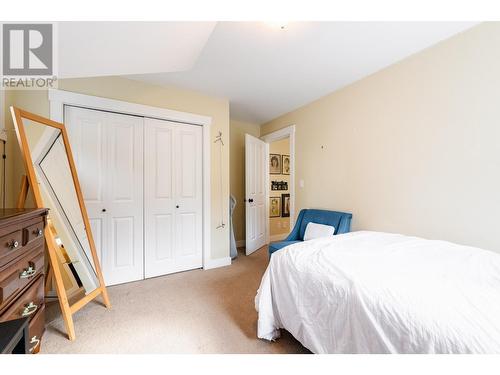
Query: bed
[371, 292]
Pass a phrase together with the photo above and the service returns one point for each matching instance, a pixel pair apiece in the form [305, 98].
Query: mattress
[371, 292]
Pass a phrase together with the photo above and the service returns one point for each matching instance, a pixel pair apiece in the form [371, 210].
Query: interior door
[255, 193]
[108, 151]
[173, 197]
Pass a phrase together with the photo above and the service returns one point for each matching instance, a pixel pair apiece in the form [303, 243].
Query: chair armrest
[345, 224]
[294, 234]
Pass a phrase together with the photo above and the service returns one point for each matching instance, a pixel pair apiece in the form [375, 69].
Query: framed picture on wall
[274, 207]
[285, 205]
[285, 164]
[274, 164]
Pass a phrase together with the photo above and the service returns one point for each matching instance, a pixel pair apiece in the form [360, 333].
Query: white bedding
[370, 292]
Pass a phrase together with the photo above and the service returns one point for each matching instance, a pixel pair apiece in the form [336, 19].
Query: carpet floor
[189, 312]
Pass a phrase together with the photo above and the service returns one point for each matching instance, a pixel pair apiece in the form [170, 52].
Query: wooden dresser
[22, 251]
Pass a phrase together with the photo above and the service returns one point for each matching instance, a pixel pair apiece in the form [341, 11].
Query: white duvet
[370, 292]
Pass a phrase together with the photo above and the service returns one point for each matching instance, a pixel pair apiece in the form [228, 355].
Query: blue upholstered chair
[341, 221]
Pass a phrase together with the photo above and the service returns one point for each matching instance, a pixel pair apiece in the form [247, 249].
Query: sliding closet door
[173, 197]
[108, 151]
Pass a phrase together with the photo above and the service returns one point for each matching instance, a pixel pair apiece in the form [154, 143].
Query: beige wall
[414, 148]
[279, 227]
[137, 92]
[238, 129]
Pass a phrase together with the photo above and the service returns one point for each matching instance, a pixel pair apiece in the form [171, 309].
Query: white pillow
[314, 230]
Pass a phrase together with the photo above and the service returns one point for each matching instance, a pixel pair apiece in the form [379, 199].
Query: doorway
[269, 198]
[279, 189]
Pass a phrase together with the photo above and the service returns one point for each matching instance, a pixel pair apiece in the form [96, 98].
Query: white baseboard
[240, 243]
[216, 263]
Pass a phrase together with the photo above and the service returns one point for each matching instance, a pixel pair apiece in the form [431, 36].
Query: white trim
[59, 98]
[268, 181]
[112, 105]
[240, 243]
[216, 263]
[288, 132]
[207, 198]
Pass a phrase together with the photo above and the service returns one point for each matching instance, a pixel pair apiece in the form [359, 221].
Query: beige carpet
[190, 312]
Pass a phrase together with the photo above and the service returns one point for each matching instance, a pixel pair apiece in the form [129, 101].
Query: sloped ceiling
[263, 70]
[89, 49]
[266, 71]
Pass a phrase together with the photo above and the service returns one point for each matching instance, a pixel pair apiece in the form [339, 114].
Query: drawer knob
[38, 232]
[14, 244]
[27, 272]
[29, 309]
[36, 342]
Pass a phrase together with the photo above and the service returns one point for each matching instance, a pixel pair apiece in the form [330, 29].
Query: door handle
[250, 200]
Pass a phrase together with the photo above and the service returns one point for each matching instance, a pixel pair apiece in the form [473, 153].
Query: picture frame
[285, 164]
[274, 207]
[274, 164]
[279, 185]
[285, 205]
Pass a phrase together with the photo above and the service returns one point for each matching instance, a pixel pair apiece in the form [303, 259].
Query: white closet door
[124, 199]
[108, 150]
[173, 197]
[189, 197]
[87, 135]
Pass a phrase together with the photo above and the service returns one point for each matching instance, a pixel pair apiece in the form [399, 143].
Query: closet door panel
[173, 195]
[164, 247]
[123, 258]
[159, 198]
[189, 191]
[87, 135]
[108, 152]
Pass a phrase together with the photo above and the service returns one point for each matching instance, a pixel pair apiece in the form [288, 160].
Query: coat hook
[218, 138]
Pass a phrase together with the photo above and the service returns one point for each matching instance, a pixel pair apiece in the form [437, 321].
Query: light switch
[301, 183]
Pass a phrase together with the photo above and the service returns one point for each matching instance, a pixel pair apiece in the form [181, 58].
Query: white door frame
[59, 98]
[288, 132]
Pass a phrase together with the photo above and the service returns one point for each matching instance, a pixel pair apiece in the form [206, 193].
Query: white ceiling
[265, 71]
[89, 49]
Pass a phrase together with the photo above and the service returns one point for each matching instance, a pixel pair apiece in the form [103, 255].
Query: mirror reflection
[53, 173]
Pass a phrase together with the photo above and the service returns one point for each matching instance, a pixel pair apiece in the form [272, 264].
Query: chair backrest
[340, 220]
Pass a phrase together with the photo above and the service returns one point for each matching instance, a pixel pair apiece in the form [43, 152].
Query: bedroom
[319, 190]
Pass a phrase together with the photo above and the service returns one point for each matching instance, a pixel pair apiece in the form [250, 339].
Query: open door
[255, 193]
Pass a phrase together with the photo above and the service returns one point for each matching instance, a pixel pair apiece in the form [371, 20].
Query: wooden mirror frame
[67, 310]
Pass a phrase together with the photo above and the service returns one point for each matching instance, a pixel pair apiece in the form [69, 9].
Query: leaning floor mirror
[52, 178]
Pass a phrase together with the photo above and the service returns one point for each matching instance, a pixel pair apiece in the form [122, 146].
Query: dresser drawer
[18, 239]
[27, 304]
[33, 232]
[15, 277]
[10, 244]
[36, 328]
